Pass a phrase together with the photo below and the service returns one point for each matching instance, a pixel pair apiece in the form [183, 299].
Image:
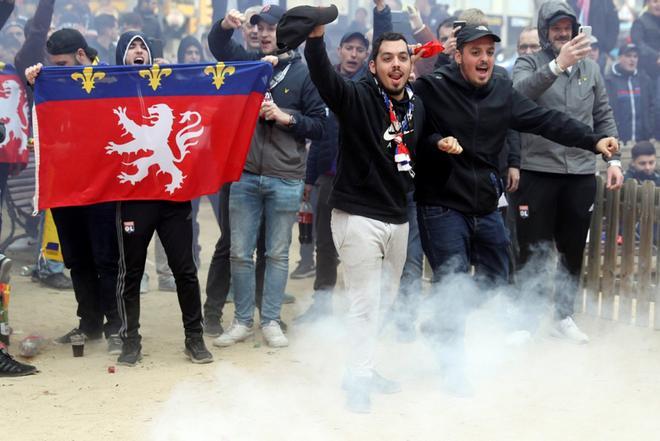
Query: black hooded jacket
[479, 119]
[367, 183]
[186, 42]
[125, 41]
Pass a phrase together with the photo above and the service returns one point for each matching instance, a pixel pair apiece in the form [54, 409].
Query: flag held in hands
[14, 116]
[117, 133]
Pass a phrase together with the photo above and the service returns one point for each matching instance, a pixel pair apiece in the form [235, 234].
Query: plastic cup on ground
[78, 345]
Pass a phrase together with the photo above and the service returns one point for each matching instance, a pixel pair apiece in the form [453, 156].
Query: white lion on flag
[155, 138]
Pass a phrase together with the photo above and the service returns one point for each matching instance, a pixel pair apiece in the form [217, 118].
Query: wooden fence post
[629, 215]
[612, 206]
[593, 264]
[645, 253]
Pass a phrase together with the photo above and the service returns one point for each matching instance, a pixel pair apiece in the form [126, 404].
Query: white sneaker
[144, 283]
[236, 332]
[274, 336]
[568, 329]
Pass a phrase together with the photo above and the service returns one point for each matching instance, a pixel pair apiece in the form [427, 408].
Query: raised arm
[336, 92]
[221, 44]
[6, 8]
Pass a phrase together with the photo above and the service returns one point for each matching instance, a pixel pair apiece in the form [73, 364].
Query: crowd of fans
[526, 161]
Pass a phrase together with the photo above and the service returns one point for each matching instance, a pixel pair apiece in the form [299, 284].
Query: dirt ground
[545, 390]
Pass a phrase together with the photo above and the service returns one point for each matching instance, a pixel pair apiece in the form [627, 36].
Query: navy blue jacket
[631, 98]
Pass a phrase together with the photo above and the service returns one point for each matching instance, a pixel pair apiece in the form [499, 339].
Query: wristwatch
[614, 162]
[292, 120]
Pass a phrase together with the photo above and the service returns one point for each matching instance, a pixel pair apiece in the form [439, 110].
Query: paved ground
[545, 390]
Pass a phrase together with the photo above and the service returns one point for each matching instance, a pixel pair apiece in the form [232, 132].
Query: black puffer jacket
[479, 119]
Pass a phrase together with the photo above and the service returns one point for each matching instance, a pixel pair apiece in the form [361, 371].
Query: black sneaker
[196, 350]
[5, 268]
[213, 326]
[131, 353]
[12, 368]
[56, 281]
[114, 345]
[66, 338]
[303, 271]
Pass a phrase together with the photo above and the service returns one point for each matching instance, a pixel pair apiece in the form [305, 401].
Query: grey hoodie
[580, 93]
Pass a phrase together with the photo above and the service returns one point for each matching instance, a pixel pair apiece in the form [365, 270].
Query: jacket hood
[125, 41]
[547, 12]
[186, 42]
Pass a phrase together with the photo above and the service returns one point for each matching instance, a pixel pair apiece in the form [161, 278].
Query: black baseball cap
[560, 16]
[271, 14]
[354, 36]
[472, 33]
[628, 48]
[296, 24]
[68, 41]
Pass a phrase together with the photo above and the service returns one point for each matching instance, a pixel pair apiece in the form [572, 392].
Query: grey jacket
[581, 94]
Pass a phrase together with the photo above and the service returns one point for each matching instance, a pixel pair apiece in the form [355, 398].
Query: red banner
[14, 116]
[143, 132]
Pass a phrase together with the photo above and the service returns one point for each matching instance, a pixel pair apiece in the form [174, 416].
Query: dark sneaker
[66, 338]
[167, 285]
[196, 350]
[318, 310]
[357, 395]
[5, 268]
[382, 385]
[212, 326]
[303, 271]
[56, 281]
[377, 384]
[131, 353]
[12, 368]
[114, 345]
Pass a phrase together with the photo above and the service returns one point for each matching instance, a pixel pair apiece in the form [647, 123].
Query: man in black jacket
[457, 195]
[380, 122]
[272, 179]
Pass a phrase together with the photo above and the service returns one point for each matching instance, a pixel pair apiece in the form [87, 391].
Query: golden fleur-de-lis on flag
[88, 77]
[219, 72]
[155, 75]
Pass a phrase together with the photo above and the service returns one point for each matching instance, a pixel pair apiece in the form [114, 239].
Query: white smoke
[537, 389]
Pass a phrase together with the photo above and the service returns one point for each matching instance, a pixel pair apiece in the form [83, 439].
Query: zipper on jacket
[475, 201]
[633, 126]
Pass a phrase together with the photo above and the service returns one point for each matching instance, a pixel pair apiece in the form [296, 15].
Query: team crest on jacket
[129, 227]
[154, 138]
[14, 114]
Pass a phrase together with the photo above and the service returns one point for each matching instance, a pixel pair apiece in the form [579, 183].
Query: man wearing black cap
[631, 96]
[272, 179]
[87, 233]
[557, 182]
[457, 195]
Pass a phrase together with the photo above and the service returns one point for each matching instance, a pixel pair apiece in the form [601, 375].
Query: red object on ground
[111, 369]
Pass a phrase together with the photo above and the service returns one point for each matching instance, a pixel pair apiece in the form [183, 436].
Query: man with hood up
[272, 179]
[557, 183]
[173, 222]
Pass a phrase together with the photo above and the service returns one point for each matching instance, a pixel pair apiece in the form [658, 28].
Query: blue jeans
[410, 288]
[278, 200]
[453, 241]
